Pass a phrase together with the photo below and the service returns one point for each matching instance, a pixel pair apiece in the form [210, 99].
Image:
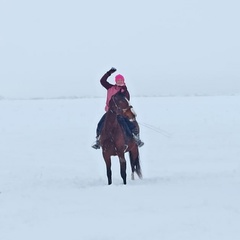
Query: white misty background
[61, 48]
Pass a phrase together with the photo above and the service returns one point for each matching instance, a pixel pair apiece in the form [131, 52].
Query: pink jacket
[112, 89]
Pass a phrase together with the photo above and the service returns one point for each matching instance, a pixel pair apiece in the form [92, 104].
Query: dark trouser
[100, 125]
[130, 127]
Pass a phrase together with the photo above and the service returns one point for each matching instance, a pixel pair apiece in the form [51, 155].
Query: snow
[53, 184]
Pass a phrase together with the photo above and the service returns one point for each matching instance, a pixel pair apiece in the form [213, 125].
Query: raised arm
[104, 78]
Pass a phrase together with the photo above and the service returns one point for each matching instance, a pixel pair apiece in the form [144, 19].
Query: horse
[116, 138]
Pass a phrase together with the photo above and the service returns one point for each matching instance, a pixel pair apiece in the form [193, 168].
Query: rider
[111, 90]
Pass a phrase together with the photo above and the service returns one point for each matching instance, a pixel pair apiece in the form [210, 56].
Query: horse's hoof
[140, 175]
[132, 176]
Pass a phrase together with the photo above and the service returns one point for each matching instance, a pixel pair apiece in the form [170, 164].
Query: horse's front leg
[109, 173]
[123, 167]
[108, 168]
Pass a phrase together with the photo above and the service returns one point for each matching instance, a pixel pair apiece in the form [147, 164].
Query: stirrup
[137, 140]
[96, 145]
[140, 143]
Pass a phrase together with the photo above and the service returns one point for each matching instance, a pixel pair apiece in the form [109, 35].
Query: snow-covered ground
[53, 184]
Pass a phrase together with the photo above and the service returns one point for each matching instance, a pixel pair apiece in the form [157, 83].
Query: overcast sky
[52, 48]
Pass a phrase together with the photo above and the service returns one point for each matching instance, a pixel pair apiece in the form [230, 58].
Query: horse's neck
[111, 117]
[110, 122]
[112, 130]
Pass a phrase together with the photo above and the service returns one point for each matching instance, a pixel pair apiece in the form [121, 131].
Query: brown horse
[116, 139]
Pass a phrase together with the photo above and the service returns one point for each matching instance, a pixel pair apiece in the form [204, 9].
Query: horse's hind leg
[123, 167]
[135, 163]
[132, 166]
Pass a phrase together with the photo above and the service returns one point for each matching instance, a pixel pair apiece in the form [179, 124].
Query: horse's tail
[135, 163]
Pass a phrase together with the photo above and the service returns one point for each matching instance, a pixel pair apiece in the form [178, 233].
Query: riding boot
[96, 145]
[138, 140]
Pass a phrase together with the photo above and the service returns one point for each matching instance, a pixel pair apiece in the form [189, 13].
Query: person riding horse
[120, 86]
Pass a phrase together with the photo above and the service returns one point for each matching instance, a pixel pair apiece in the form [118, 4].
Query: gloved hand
[112, 70]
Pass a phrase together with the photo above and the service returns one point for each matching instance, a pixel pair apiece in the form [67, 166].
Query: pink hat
[119, 79]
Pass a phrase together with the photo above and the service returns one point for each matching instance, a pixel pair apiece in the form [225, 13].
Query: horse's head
[121, 106]
[130, 113]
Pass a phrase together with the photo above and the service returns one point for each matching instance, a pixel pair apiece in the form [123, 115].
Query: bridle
[121, 111]
[130, 108]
